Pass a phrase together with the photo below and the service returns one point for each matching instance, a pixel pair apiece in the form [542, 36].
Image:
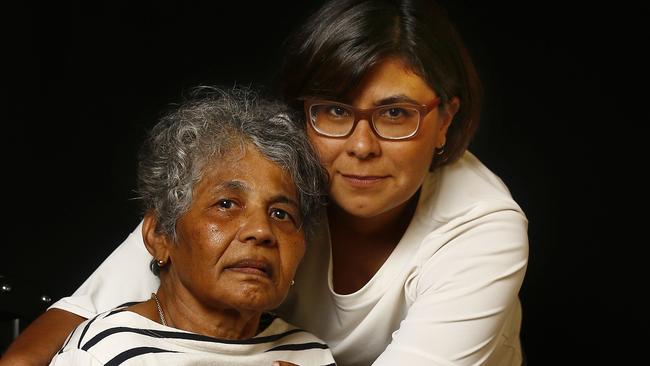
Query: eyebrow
[234, 185]
[280, 198]
[398, 98]
[237, 185]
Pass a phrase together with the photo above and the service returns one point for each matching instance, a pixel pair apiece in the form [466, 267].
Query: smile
[363, 180]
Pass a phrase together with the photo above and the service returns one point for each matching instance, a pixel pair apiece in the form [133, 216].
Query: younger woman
[425, 250]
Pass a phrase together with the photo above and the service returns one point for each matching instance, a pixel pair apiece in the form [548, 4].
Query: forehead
[391, 77]
[251, 169]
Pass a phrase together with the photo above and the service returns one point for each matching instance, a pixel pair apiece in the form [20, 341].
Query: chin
[254, 305]
[363, 213]
[255, 300]
[364, 209]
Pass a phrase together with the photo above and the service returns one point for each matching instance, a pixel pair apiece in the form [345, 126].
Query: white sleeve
[465, 299]
[123, 277]
[74, 357]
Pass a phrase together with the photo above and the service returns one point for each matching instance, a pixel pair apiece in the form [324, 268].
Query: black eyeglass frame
[367, 113]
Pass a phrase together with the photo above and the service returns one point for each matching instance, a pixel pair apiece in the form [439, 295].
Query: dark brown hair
[337, 45]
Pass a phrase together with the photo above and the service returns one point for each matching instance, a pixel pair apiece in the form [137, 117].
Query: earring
[161, 263]
[441, 150]
[293, 282]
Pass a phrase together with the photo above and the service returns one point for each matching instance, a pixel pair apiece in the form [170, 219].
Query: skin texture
[373, 182]
[236, 251]
[371, 176]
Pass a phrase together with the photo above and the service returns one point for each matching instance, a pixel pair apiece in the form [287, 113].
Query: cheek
[292, 254]
[421, 149]
[202, 243]
[418, 159]
[327, 148]
[412, 163]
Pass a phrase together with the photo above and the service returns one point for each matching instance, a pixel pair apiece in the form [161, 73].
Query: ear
[156, 243]
[446, 118]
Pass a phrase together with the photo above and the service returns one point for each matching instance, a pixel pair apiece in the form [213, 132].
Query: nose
[257, 230]
[363, 143]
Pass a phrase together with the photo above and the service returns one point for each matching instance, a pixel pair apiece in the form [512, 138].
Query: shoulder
[288, 342]
[465, 190]
[282, 331]
[467, 216]
[117, 335]
[94, 330]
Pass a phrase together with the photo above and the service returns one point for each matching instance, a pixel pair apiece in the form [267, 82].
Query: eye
[280, 214]
[225, 203]
[338, 111]
[394, 113]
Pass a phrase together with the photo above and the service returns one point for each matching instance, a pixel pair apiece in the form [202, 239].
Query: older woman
[424, 249]
[230, 186]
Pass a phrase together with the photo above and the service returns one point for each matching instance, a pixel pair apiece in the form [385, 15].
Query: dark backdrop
[563, 125]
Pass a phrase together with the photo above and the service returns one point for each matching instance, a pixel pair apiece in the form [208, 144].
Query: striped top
[120, 337]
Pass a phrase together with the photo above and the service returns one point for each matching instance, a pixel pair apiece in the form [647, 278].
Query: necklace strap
[160, 310]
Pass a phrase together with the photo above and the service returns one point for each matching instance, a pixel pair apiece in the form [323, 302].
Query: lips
[252, 266]
[363, 180]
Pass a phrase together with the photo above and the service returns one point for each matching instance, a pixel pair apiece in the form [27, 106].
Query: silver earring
[293, 282]
[161, 263]
[441, 151]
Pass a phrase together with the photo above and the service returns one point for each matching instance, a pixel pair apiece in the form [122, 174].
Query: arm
[38, 343]
[123, 277]
[465, 306]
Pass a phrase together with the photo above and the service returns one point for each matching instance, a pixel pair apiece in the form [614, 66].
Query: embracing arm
[123, 277]
[38, 343]
[465, 307]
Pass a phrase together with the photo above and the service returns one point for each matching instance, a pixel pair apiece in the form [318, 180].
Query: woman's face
[240, 243]
[370, 176]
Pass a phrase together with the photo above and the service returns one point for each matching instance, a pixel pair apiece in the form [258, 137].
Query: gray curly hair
[210, 125]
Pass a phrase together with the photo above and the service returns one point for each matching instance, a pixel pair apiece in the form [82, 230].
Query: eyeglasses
[397, 121]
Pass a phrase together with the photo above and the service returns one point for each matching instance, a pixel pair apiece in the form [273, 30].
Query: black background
[564, 125]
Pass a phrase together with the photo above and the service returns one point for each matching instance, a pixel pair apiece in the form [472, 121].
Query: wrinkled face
[240, 242]
[370, 176]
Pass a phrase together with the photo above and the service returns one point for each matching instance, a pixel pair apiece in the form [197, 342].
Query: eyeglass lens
[391, 121]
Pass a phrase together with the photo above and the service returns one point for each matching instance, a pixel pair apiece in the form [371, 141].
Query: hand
[284, 363]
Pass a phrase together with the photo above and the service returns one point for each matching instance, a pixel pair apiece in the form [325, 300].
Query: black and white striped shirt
[120, 337]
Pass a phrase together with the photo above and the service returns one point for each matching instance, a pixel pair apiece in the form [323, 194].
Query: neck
[183, 311]
[387, 226]
[360, 245]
